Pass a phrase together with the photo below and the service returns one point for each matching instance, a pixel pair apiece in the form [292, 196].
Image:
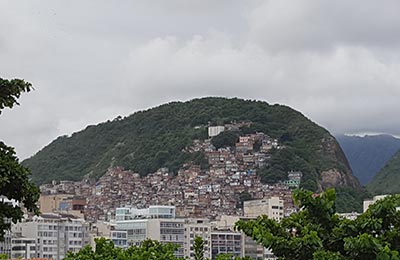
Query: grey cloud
[322, 25]
[90, 61]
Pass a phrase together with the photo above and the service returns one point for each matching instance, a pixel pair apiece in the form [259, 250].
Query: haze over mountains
[368, 155]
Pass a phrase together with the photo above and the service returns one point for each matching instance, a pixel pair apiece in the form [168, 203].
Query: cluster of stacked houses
[196, 202]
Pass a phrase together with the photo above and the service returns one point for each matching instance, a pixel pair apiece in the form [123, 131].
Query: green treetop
[14, 178]
[105, 250]
[317, 232]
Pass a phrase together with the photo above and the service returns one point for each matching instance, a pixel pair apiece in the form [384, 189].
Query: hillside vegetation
[148, 140]
[387, 181]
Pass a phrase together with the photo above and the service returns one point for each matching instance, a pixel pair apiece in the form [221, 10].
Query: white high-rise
[49, 236]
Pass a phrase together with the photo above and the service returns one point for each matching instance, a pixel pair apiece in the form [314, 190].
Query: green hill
[148, 140]
[387, 180]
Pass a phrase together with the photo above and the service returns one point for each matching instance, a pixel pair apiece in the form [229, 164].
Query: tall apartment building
[156, 223]
[272, 207]
[49, 236]
[197, 228]
[23, 248]
[220, 238]
[249, 247]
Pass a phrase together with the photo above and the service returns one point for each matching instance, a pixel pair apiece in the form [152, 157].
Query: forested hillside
[148, 140]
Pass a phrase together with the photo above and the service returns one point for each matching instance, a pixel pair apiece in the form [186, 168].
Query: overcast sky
[338, 62]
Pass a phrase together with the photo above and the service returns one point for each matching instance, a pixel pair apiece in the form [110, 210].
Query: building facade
[49, 236]
[156, 223]
[197, 228]
[272, 207]
[226, 242]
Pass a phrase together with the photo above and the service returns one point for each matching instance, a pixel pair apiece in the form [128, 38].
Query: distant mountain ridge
[368, 154]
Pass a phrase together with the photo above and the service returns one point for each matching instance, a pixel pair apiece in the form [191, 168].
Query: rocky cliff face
[337, 176]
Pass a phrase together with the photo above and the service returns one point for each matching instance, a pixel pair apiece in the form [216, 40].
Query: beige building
[367, 203]
[62, 203]
[272, 207]
[197, 228]
[51, 203]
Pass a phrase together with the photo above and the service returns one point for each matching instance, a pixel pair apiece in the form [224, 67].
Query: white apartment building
[272, 207]
[215, 130]
[133, 226]
[23, 248]
[220, 238]
[53, 234]
[156, 223]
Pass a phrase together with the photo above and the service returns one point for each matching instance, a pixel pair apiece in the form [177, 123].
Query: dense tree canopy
[105, 250]
[148, 250]
[317, 232]
[14, 178]
[225, 139]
